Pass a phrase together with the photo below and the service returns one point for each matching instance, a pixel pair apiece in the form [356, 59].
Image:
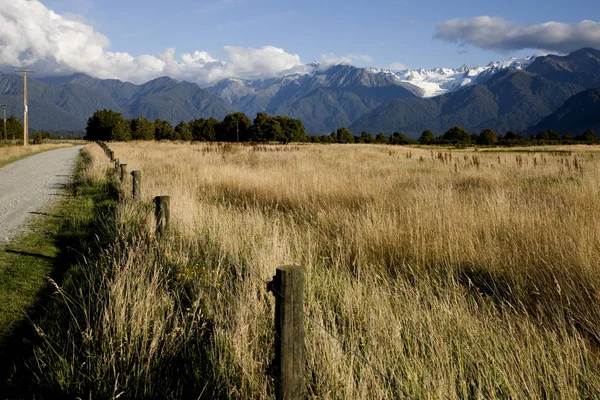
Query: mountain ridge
[510, 100]
[578, 114]
[513, 94]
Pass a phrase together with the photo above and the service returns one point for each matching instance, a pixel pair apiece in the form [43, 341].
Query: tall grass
[455, 274]
[11, 153]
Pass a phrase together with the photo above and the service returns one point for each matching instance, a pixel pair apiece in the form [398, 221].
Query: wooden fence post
[123, 172]
[117, 165]
[162, 214]
[137, 184]
[290, 358]
[112, 155]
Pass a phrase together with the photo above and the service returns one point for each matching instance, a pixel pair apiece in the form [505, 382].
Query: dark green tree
[272, 131]
[344, 135]
[366, 137]
[512, 135]
[588, 136]
[204, 130]
[266, 129]
[427, 137]
[257, 132]
[511, 138]
[487, 137]
[328, 138]
[163, 130]
[567, 138]
[38, 138]
[542, 136]
[228, 131]
[382, 138]
[457, 135]
[122, 132]
[553, 135]
[399, 138]
[183, 132]
[107, 125]
[14, 128]
[292, 130]
[142, 129]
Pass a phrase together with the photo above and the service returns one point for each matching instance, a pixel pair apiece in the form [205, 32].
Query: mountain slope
[581, 67]
[174, 102]
[511, 99]
[62, 107]
[578, 114]
[324, 101]
[66, 103]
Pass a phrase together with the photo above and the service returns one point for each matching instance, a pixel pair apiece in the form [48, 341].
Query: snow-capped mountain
[434, 82]
[421, 82]
[326, 96]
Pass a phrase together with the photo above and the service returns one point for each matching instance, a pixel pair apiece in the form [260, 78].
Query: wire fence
[147, 210]
[343, 345]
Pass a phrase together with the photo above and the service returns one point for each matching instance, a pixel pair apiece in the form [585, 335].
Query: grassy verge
[10, 153]
[31, 266]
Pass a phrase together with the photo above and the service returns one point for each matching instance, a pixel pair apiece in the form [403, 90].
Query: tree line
[107, 125]
[459, 136]
[14, 130]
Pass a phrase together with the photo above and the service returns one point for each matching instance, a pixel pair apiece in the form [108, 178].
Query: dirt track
[29, 184]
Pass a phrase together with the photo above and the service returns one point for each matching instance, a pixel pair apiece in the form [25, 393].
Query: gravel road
[29, 184]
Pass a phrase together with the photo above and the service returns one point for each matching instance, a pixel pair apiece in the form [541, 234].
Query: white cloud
[397, 66]
[331, 59]
[502, 35]
[31, 35]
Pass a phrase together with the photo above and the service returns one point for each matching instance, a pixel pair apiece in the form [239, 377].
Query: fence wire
[259, 316]
[344, 346]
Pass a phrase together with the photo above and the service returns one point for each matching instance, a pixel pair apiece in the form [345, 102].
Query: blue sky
[387, 30]
[124, 39]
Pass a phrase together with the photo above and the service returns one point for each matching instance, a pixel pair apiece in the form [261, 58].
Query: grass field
[12, 153]
[456, 274]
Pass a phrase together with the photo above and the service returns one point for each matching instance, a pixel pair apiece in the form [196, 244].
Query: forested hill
[579, 113]
[66, 103]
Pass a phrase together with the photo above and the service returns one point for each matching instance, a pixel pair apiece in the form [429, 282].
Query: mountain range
[516, 94]
[66, 103]
[579, 113]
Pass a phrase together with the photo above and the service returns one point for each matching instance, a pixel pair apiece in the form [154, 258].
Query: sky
[208, 40]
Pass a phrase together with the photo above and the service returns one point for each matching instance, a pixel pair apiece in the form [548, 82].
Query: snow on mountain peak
[433, 82]
[422, 82]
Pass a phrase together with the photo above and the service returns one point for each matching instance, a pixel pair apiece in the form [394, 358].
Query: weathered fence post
[290, 359]
[123, 172]
[117, 165]
[137, 184]
[112, 155]
[162, 214]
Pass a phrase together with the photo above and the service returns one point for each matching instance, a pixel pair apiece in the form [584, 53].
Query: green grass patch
[25, 265]
[57, 241]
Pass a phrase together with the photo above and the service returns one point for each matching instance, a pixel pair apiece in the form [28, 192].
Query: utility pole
[25, 111]
[3, 106]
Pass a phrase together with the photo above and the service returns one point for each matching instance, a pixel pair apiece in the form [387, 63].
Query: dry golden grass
[457, 274]
[10, 154]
